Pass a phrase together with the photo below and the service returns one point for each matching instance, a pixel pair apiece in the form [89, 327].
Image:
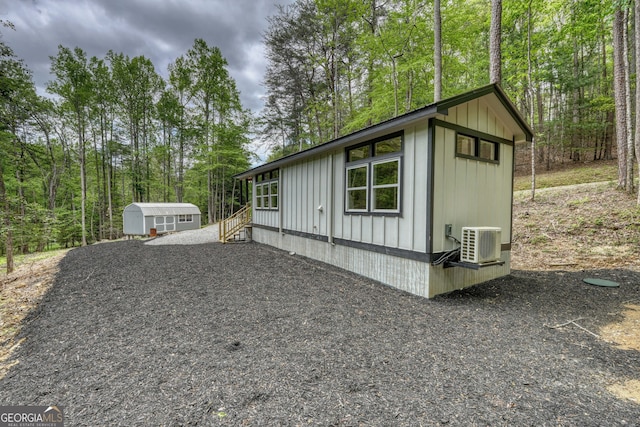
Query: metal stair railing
[229, 227]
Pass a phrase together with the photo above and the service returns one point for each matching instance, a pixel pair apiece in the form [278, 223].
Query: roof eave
[391, 124]
[429, 111]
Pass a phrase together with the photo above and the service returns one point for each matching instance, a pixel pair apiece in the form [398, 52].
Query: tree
[6, 57]
[215, 96]
[74, 85]
[17, 98]
[620, 94]
[293, 112]
[495, 51]
[169, 113]
[136, 86]
[6, 214]
[637, 45]
[181, 81]
[437, 51]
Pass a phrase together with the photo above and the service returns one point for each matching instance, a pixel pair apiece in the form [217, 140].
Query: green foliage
[116, 133]
[334, 66]
[555, 59]
[67, 231]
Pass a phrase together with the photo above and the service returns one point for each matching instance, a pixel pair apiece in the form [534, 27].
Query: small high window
[472, 147]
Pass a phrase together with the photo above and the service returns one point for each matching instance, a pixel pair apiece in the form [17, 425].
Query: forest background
[112, 131]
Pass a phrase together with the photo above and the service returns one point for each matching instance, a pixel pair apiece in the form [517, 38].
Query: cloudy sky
[160, 30]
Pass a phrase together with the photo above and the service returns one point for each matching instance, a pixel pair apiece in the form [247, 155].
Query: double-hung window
[385, 185]
[373, 176]
[358, 188]
[266, 190]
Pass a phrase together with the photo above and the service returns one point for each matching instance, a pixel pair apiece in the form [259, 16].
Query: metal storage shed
[140, 218]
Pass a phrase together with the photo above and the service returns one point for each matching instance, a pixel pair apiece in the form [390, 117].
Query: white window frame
[365, 187]
[372, 159]
[183, 218]
[258, 204]
[374, 187]
[263, 201]
[265, 195]
[273, 194]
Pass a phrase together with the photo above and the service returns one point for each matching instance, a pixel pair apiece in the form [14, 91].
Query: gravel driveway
[244, 334]
[208, 234]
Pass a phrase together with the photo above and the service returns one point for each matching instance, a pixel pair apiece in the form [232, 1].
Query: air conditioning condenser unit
[480, 245]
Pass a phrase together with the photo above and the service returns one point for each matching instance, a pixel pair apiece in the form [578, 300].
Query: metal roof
[493, 93]
[158, 209]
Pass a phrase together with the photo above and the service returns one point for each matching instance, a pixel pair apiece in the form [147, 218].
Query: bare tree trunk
[395, 84]
[627, 99]
[437, 51]
[619, 88]
[110, 198]
[637, 46]
[552, 106]
[540, 125]
[409, 97]
[100, 196]
[373, 25]
[83, 178]
[531, 106]
[180, 180]
[608, 135]
[4, 201]
[211, 196]
[335, 95]
[495, 51]
[575, 137]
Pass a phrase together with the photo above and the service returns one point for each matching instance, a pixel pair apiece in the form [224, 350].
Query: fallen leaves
[20, 292]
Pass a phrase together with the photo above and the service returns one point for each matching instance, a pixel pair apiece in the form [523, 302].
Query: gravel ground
[244, 334]
[207, 234]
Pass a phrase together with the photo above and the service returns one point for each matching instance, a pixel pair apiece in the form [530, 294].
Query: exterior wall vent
[480, 245]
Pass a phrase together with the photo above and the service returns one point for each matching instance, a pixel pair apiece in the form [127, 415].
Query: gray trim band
[472, 132]
[400, 253]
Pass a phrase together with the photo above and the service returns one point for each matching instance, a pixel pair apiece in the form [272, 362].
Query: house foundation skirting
[410, 275]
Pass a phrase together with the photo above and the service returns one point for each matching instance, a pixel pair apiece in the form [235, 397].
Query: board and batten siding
[408, 230]
[468, 192]
[266, 217]
[305, 193]
[320, 182]
[436, 188]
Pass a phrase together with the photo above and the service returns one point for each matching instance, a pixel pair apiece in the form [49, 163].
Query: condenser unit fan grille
[480, 244]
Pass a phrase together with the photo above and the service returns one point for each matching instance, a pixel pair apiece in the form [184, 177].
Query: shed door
[164, 223]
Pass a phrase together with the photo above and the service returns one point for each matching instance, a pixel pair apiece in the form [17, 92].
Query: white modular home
[138, 219]
[421, 202]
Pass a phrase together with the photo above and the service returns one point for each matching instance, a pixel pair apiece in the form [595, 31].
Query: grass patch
[591, 172]
[579, 201]
[539, 239]
[31, 258]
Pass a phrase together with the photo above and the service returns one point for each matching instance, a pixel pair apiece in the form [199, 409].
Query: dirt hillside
[578, 227]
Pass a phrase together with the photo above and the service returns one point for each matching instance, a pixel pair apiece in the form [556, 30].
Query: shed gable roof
[164, 209]
[493, 94]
